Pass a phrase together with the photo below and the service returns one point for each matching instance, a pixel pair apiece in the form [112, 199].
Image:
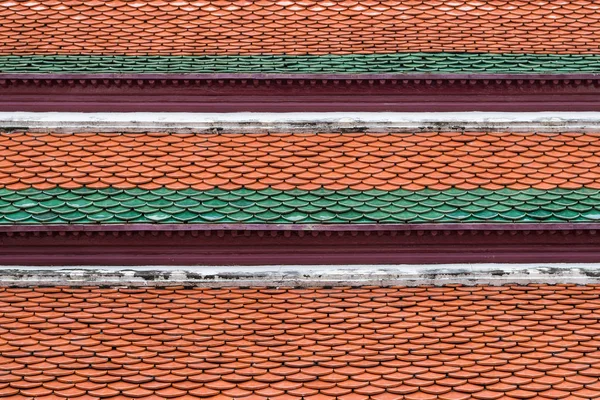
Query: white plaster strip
[297, 275]
[301, 122]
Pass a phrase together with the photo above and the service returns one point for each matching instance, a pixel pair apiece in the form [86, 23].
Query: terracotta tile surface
[297, 27]
[359, 161]
[453, 342]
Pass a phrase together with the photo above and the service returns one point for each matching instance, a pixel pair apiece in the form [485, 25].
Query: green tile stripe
[354, 63]
[118, 206]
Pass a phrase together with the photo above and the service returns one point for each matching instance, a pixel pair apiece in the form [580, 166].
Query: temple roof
[265, 200]
[427, 343]
[299, 178]
[299, 36]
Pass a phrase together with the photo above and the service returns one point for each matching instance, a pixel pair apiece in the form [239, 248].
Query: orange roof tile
[306, 161]
[452, 342]
[179, 27]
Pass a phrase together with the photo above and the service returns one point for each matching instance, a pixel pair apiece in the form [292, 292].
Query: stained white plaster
[301, 122]
[299, 275]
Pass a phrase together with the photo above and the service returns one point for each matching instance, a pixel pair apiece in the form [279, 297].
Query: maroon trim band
[286, 93]
[277, 245]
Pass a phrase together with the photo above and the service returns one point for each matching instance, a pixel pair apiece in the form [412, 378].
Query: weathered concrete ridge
[300, 122]
[302, 276]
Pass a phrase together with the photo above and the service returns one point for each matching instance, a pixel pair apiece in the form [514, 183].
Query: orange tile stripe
[182, 27]
[305, 161]
[535, 342]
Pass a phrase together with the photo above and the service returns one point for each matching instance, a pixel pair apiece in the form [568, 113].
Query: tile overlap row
[120, 206]
[167, 27]
[510, 342]
[383, 63]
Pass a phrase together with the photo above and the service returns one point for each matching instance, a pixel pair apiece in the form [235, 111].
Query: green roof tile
[402, 63]
[107, 206]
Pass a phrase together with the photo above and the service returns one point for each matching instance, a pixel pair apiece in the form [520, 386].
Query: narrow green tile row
[118, 206]
[351, 64]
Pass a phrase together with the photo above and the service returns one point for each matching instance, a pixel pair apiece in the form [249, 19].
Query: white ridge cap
[302, 275]
[299, 122]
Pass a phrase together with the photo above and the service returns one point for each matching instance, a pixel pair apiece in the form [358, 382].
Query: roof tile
[448, 62]
[324, 26]
[320, 178]
[266, 166]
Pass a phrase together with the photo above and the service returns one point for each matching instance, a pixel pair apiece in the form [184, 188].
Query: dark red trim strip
[222, 245]
[280, 93]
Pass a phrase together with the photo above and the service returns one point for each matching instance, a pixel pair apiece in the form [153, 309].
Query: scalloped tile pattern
[308, 64]
[284, 161]
[297, 27]
[427, 343]
[268, 206]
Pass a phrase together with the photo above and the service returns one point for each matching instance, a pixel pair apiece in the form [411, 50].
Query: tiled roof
[306, 161]
[450, 63]
[309, 36]
[114, 206]
[297, 27]
[299, 178]
[373, 343]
